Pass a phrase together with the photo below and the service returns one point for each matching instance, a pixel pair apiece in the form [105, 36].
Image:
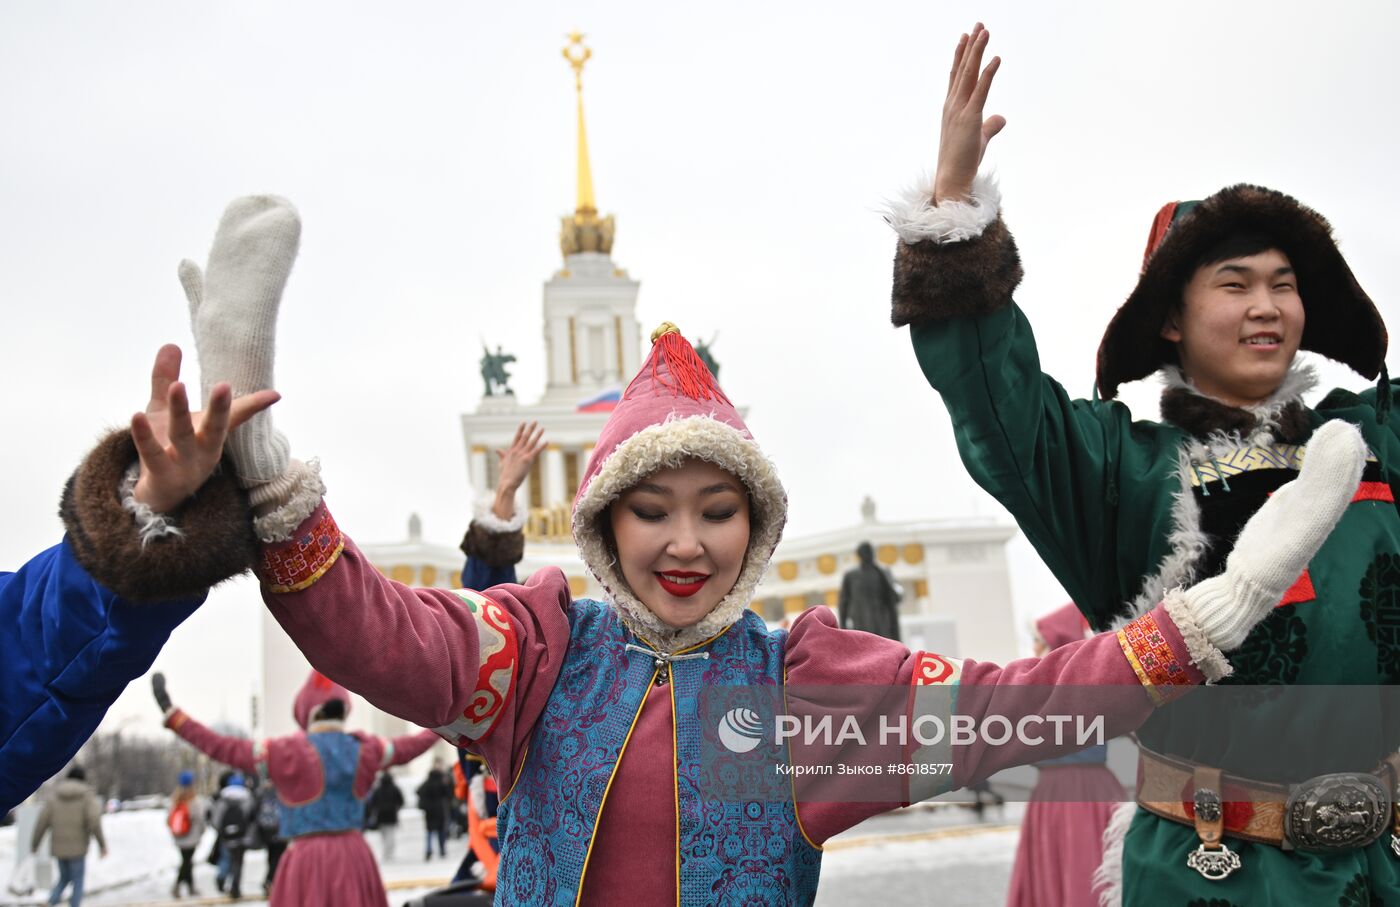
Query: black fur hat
[1340, 321]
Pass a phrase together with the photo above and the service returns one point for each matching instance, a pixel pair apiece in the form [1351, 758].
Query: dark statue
[493, 370]
[702, 349]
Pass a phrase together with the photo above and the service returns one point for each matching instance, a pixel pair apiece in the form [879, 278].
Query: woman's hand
[176, 457]
[965, 134]
[515, 464]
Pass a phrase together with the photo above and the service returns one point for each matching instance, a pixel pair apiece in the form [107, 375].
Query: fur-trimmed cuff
[149, 524]
[494, 541]
[916, 218]
[937, 280]
[1204, 653]
[215, 540]
[483, 514]
[284, 503]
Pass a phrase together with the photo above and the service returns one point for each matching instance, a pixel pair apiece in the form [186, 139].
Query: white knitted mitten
[233, 312]
[1281, 538]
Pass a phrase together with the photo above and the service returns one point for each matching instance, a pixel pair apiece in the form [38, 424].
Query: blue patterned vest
[731, 853]
[337, 808]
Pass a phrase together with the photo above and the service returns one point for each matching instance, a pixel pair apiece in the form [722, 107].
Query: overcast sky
[744, 148]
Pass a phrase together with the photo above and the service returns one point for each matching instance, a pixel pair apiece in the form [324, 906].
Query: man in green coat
[1122, 511]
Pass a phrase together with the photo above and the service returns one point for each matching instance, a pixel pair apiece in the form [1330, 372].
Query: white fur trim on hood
[665, 446]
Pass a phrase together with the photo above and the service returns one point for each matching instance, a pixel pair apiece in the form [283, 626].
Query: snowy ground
[918, 856]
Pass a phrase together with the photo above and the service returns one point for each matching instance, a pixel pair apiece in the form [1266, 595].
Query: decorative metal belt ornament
[1338, 812]
[1214, 861]
[1214, 864]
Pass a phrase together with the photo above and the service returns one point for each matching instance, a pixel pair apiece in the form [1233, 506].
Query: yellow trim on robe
[1147, 685]
[516, 779]
[676, 783]
[792, 776]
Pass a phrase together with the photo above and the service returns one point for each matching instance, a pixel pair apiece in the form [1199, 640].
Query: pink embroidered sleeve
[1104, 677]
[476, 667]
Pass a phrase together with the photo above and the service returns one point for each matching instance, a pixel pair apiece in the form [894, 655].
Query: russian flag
[603, 402]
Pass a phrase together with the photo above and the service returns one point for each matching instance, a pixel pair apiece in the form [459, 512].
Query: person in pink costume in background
[581, 704]
[323, 775]
[1061, 844]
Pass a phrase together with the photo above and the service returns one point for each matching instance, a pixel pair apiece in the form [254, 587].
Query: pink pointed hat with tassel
[672, 411]
[316, 692]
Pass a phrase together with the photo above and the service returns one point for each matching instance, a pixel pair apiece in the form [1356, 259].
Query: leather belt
[1325, 814]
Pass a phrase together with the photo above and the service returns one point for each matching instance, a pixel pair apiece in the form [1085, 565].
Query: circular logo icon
[740, 730]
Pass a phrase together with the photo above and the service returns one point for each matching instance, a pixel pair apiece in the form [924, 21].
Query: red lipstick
[681, 583]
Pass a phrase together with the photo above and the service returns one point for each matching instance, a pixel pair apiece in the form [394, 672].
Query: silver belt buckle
[1338, 812]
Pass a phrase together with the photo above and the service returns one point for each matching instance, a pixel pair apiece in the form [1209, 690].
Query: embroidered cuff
[915, 218]
[498, 656]
[149, 524]
[1204, 654]
[297, 563]
[1153, 660]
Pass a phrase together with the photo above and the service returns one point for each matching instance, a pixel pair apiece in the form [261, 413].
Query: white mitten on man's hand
[233, 312]
[1281, 538]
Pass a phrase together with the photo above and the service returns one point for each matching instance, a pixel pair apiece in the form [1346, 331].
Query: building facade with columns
[953, 572]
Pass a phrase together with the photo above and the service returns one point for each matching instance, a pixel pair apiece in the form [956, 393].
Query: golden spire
[577, 53]
[585, 231]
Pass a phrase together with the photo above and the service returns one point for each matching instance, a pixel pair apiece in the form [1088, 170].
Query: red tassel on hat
[685, 372]
[1160, 225]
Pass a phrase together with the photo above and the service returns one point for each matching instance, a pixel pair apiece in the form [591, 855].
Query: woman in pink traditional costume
[1061, 844]
[591, 711]
[323, 774]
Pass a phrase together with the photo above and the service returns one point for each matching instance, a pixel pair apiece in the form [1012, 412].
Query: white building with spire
[957, 593]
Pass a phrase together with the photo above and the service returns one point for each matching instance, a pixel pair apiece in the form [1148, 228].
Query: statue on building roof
[493, 370]
[704, 349]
